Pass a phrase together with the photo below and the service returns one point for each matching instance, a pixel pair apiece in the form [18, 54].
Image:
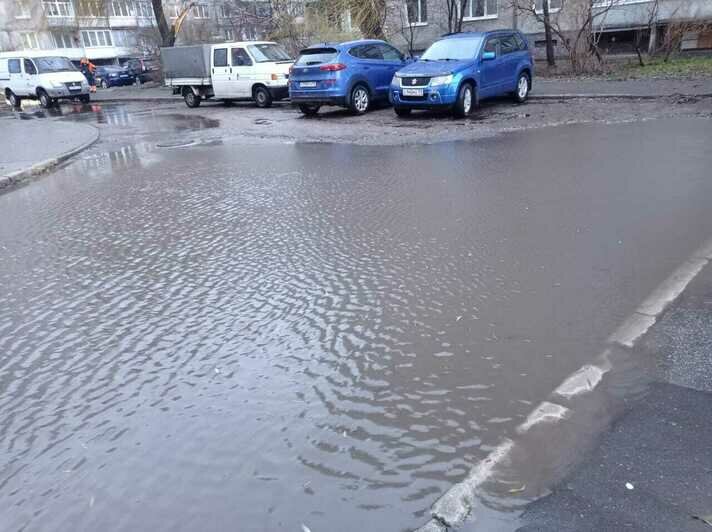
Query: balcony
[59, 13]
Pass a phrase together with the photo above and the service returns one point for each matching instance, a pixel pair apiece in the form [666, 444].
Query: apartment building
[415, 24]
[106, 31]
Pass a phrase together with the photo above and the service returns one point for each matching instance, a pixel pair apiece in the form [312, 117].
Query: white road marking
[672, 287]
[635, 326]
[546, 412]
[581, 381]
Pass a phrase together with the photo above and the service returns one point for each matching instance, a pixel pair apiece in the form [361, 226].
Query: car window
[458, 49]
[356, 51]
[491, 44]
[316, 56]
[13, 66]
[30, 67]
[507, 44]
[389, 53]
[521, 43]
[220, 57]
[240, 57]
[372, 51]
[264, 53]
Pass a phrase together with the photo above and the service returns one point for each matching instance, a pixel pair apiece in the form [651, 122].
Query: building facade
[106, 31]
[415, 24]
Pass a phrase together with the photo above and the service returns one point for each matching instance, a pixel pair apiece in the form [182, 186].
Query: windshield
[452, 49]
[316, 56]
[268, 52]
[54, 64]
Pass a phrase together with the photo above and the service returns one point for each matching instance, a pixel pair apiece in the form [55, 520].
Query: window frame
[247, 55]
[54, 8]
[61, 38]
[420, 21]
[486, 16]
[215, 51]
[27, 37]
[19, 65]
[88, 42]
[201, 11]
[23, 9]
[551, 10]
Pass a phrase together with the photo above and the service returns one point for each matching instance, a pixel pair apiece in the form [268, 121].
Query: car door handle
[230, 70]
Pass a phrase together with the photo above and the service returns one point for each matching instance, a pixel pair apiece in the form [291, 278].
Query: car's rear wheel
[262, 97]
[14, 99]
[191, 99]
[467, 100]
[309, 110]
[360, 100]
[402, 111]
[523, 87]
[45, 100]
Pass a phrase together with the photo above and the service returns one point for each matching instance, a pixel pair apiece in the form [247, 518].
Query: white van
[47, 79]
[257, 70]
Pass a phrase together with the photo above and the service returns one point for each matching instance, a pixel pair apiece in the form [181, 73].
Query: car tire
[309, 110]
[14, 99]
[402, 111]
[84, 98]
[262, 97]
[360, 99]
[467, 100]
[191, 99]
[523, 87]
[46, 100]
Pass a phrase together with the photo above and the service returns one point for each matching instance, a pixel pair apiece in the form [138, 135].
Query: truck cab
[256, 70]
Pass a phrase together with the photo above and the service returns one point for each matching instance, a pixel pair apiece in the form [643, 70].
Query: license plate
[412, 92]
[124, 76]
[307, 84]
[74, 88]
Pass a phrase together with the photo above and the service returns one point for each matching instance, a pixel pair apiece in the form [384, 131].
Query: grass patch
[675, 67]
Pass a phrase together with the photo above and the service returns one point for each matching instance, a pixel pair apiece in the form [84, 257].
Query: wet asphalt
[203, 333]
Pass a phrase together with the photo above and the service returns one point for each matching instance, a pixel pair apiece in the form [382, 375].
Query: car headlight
[278, 76]
[441, 80]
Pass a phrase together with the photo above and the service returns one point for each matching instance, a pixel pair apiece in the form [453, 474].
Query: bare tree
[455, 14]
[169, 32]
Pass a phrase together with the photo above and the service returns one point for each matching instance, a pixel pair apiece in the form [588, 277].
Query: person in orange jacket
[88, 68]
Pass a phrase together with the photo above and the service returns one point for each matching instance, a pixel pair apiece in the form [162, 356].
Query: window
[417, 11]
[264, 53]
[521, 43]
[200, 11]
[491, 45]
[63, 40]
[229, 34]
[220, 57]
[13, 66]
[95, 38]
[29, 67]
[240, 57]
[223, 11]
[90, 8]
[144, 9]
[57, 8]
[29, 40]
[121, 8]
[481, 9]
[389, 53]
[22, 9]
[508, 44]
[316, 56]
[554, 5]
[449, 49]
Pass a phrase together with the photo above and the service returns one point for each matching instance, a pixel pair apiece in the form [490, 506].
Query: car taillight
[334, 67]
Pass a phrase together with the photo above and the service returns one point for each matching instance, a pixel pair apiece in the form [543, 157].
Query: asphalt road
[200, 333]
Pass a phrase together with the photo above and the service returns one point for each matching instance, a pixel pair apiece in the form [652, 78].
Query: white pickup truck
[257, 70]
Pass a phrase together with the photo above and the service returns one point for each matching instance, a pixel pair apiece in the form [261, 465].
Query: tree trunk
[168, 34]
[547, 35]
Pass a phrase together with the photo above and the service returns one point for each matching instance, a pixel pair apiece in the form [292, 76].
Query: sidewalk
[634, 88]
[653, 469]
[32, 146]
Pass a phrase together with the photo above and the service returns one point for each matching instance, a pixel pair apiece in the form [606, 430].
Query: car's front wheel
[309, 110]
[360, 100]
[523, 87]
[46, 100]
[466, 100]
[14, 99]
[262, 97]
[191, 99]
[402, 111]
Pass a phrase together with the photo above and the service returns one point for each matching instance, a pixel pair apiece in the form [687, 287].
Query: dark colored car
[112, 76]
[351, 74]
[143, 69]
[458, 70]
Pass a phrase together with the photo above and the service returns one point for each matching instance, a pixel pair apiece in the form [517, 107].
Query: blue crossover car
[460, 69]
[351, 74]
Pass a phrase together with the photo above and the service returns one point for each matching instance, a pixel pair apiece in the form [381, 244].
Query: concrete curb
[461, 502]
[14, 178]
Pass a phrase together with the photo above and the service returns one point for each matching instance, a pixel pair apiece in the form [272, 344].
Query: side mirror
[488, 56]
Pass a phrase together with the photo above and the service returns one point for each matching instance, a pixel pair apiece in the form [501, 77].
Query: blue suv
[460, 69]
[351, 74]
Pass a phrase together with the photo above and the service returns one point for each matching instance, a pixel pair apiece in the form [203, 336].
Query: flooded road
[201, 335]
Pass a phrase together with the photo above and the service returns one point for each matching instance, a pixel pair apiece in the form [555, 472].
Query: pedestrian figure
[88, 68]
